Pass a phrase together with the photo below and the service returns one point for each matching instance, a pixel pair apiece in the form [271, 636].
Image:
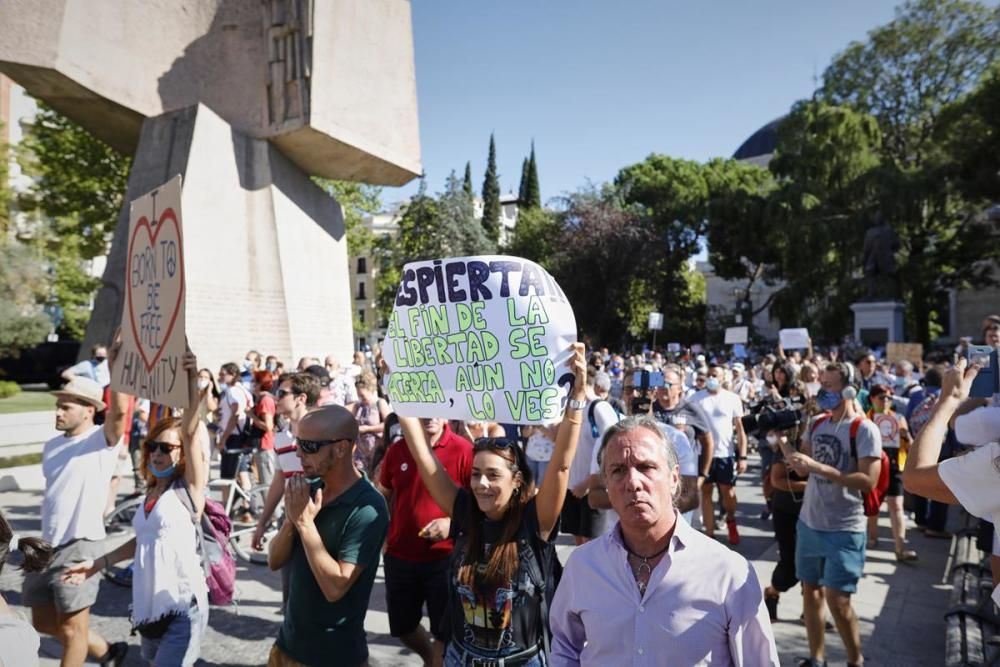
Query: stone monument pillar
[878, 318]
[247, 99]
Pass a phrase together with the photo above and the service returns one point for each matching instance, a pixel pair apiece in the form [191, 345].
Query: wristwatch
[574, 404]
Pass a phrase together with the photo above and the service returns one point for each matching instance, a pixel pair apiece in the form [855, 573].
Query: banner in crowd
[736, 335]
[912, 352]
[153, 341]
[479, 339]
[794, 339]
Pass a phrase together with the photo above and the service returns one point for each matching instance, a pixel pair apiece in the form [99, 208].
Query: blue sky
[601, 84]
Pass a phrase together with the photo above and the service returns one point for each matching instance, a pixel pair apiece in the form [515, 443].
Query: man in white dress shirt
[655, 591]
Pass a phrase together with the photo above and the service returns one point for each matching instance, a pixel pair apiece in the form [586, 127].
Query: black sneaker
[772, 607]
[810, 662]
[115, 655]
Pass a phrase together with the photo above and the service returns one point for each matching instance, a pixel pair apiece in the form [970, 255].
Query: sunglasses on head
[312, 446]
[164, 447]
[493, 443]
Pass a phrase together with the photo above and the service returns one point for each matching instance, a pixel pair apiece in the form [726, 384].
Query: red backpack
[872, 499]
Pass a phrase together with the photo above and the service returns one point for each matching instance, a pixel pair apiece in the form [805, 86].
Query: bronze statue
[879, 261]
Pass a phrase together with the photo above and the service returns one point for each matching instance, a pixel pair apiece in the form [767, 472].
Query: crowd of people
[464, 515]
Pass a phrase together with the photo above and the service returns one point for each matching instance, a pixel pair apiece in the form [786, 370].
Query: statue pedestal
[878, 322]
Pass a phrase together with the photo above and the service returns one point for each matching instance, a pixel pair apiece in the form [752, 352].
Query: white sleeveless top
[167, 570]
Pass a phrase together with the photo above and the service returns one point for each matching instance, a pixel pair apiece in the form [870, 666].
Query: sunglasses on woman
[164, 447]
[312, 446]
[493, 443]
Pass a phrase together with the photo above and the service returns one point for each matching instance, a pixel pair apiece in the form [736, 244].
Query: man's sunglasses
[164, 447]
[312, 446]
[285, 392]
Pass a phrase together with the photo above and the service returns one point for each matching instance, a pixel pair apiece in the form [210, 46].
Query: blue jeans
[180, 645]
[455, 657]
[538, 469]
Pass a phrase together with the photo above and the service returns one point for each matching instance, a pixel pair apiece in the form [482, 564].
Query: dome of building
[759, 147]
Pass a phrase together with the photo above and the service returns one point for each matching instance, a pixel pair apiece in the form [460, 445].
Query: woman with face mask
[896, 440]
[504, 531]
[786, 502]
[169, 593]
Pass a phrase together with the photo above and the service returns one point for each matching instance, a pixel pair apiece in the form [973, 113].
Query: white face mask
[203, 384]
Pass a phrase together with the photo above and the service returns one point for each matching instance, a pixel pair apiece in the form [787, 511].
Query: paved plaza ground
[901, 605]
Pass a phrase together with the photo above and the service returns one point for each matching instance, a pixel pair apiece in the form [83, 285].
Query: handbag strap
[199, 530]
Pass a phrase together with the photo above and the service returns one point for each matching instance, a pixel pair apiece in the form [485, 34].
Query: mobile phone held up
[987, 382]
[315, 484]
[647, 379]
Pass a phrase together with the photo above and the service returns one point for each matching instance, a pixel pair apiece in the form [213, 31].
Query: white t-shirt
[99, 373]
[978, 427]
[77, 474]
[234, 399]
[974, 478]
[589, 443]
[284, 446]
[721, 407]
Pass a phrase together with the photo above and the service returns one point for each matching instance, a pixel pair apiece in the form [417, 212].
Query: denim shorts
[834, 559]
[180, 645]
[458, 657]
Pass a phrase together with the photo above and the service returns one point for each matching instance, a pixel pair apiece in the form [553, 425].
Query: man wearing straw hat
[77, 466]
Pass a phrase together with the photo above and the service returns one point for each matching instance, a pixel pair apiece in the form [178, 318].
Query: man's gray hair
[602, 381]
[633, 423]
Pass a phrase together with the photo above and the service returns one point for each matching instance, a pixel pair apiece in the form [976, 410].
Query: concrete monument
[246, 99]
[878, 318]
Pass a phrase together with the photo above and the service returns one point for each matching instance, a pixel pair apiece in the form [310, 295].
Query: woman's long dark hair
[502, 562]
[789, 374]
[37, 552]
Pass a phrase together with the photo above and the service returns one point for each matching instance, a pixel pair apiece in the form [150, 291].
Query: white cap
[978, 427]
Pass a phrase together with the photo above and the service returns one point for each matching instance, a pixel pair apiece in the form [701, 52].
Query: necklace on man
[644, 567]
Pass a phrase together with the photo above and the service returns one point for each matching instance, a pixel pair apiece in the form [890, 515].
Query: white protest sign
[656, 321]
[673, 347]
[794, 339]
[153, 343]
[736, 335]
[481, 339]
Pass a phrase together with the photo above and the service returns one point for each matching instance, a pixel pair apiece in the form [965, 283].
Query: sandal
[906, 555]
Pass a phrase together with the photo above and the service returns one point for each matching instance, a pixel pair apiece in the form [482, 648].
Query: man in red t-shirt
[417, 548]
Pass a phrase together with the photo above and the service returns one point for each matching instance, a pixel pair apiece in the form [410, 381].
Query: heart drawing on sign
[168, 215]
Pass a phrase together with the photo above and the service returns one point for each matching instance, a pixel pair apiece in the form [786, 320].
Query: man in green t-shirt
[331, 541]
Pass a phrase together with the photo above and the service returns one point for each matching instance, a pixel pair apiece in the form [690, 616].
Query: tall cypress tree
[532, 192]
[467, 181]
[522, 190]
[491, 195]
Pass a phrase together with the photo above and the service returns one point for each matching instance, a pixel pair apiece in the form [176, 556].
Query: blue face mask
[828, 400]
[712, 384]
[161, 473]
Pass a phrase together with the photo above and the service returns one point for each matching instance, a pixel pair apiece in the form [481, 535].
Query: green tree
[78, 192]
[827, 165]
[536, 237]
[5, 193]
[906, 75]
[491, 195]
[532, 192]
[23, 289]
[522, 188]
[969, 135]
[460, 232]
[467, 181]
[358, 200]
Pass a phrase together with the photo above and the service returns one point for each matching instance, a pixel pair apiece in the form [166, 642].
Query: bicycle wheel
[241, 537]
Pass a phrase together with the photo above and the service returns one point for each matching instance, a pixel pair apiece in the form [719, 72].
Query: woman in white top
[18, 640]
[169, 593]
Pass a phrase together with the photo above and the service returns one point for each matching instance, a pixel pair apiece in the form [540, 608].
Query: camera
[767, 416]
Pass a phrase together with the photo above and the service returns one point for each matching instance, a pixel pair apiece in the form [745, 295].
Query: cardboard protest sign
[912, 352]
[480, 339]
[794, 339]
[737, 335]
[153, 343]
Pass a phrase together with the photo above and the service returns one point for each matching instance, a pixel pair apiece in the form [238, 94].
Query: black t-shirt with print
[496, 619]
